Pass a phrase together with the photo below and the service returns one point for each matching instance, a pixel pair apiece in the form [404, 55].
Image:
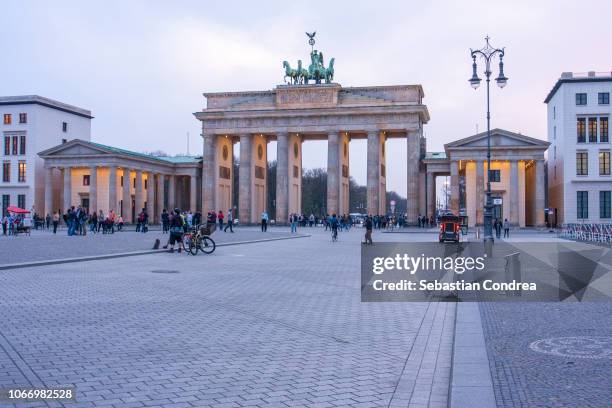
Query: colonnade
[253, 167]
[123, 189]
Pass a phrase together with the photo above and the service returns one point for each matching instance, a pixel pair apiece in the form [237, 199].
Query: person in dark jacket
[176, 231]
[368, 227]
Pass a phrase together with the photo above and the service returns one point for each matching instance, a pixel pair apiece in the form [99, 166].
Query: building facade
[31, 124]
[294, 114]
[579, 178]
[517, 177]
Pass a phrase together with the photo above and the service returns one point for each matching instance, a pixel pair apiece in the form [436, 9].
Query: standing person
[368, 228]
[230, 221]
[293, 219]
[506, 228]
[100, 221]
[145, 221]
[55, 221]
[48, 220]
[498, 226]
[119, 223]
[176, 231]
[220, 218]
[93, 222]
[264, 221]
[4, 224]
[165, 218]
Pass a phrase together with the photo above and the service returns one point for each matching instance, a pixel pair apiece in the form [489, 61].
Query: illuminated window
[592, 130]
[21, 174]
[6, 172]
[603, 130]
[7, 119]
[604, 163]
[581, 130]
[582, 163]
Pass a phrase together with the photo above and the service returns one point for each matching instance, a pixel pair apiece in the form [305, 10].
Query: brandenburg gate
[295, 113]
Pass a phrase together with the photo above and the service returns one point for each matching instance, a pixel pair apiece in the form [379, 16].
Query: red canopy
[16, 210]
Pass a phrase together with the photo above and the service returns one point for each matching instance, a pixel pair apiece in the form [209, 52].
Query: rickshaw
[450, 228]
[22, 224]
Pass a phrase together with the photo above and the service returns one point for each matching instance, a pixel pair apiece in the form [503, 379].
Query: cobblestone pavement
[523, 377]
[43, 245]
[269, 324]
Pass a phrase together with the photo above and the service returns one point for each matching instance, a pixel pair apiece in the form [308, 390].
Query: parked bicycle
[198, 239]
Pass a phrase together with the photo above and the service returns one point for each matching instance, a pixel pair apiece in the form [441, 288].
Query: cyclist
[333, 223]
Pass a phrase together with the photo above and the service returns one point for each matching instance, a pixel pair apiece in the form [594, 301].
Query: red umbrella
[16, 210]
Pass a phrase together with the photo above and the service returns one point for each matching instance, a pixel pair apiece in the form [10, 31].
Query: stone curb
[126, 254]
[471, 384]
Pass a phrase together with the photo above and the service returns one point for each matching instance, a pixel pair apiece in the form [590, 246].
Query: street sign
[497, 201]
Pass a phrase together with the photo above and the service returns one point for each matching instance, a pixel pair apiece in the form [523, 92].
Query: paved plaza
[270, 324]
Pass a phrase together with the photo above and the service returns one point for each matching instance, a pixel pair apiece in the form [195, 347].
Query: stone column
[539, 193]
[412, 176]
[126, 213]
[208, 174]
[67, 188]
[48, 191]
[480, 192]
[192, 193]
[151, 196]
[343, 173]
[333, 180]
[431, 194]
[382, 174]
[244, 175]
[138, 193]
[93, 189]
[161, 202]
[282, 178]
[454, 180]
[112, 189]
[514, 193]
[172, 193]
[373, 177]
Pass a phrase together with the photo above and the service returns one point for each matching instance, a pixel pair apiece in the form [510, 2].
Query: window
[554, 112]
[21, 174]
[6, 172]
[6, 201]
[581, 130]
[121, 181]
[603, 130]
[64, 141]
[7, 119]
[23, 118]
[7, 145]
[15, 144]
[64, 127]
[554, 132]
[582, 205]
[592, 130]
[22, 144]
[146, 183]
[604, 204]
[134, 182]
[604, 163]
[581, 99]
[21, 201]
[582, 163]
[603, 98]
[494, 176]
[86, 179]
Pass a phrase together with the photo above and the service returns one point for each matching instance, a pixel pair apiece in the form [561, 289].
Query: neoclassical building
[517, 177]
[80, 172]
[295, 114]
[100, 177]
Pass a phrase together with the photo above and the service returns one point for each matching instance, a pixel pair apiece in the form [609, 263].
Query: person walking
[230, 221]
[368, 228]
[220, 219]
[55, 221]
[506, 228]
[497, 225]
[264, 221]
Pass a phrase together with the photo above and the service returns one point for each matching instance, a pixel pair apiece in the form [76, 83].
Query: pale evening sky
[141, 66]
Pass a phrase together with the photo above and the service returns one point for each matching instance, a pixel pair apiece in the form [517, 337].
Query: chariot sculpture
[316, 71]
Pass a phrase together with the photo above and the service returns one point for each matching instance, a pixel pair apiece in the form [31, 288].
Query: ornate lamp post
[488, 53]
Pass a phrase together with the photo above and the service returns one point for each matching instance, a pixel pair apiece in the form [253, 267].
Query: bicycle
[200, 240]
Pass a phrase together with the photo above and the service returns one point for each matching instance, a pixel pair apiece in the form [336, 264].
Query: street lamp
[488, 53]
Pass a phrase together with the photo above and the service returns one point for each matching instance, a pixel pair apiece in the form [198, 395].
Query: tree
[314, 192]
